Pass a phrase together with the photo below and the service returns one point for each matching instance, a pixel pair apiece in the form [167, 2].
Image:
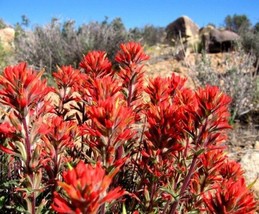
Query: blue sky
[134, 13]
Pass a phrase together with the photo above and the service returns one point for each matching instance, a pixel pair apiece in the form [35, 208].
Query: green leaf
[124, 211]
[250, 186]
[2, 201]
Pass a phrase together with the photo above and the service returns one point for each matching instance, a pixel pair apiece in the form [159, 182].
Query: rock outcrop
[7, 38]
[183, 31]
[215, 40]
[250, 164]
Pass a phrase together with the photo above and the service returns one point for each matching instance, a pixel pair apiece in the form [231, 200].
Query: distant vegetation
[62, 43]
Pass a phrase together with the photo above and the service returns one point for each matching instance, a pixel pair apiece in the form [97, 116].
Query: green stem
[185, 185]
[29, 171]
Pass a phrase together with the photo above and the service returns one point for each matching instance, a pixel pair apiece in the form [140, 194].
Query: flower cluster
[135, 148]
[87, 188]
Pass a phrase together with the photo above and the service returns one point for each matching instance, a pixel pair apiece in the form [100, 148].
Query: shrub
[237, 80]
[57, 44]
[250, 43]
[237, 23]
[95, 144]
[5, 57]
[148, 35]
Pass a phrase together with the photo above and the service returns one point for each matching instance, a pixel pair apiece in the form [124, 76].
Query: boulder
[204, 36]
[7, 38]
[250, 164]
[216, 40]
[183, 31]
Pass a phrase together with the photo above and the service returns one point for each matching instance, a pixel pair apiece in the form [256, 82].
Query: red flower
[96, 64]
[59, 133]
[130, 53]
[231, 169]
[164, 126]
[230, 197]
[158, 90]
[67, 77]
[104, 88]
[176, 83]
[6, 131]
[111, 124]
[86, 188]
[212, 100]
[22, 87]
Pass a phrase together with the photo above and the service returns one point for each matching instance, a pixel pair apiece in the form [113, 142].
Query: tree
[2, 24]
[237, 23]
[256, 27]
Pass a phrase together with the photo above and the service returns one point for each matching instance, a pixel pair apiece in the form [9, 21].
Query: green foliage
[4, 57]
[237, 80]
[256, 27]
[2, 24]
[57, 43]
[149, 35]
[250, 42]
[237, 23]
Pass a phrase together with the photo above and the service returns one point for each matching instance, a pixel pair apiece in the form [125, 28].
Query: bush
[237, 80]
[95, 144]
[250, 43]
[237, 23]
[57, 44]
[149, 35]
[5, 57]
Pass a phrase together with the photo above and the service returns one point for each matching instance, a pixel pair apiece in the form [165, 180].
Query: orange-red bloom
[230, 197]
[67, 76]
[131, 52]
[22, 87]
[212, 100]
[96, 64]
[231, 169]
[86, 188]
[59, 134]
[104, 88]
[158, 90]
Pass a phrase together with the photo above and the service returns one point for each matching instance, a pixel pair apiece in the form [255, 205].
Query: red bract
[22, 87]
[86, 188]
[158, 90]
[61, 134]
[211, 161]
[96, 64]
[212, 100]
[104, 88]
[208, 120]
[230, 197]
[209, 165]
[176, 83]
[164, 126]
[133, 79]
[130, 53]
[231, 169]
[129, 57]
[111, 124]
[59, 137]
[6, 131]
[67, 77]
